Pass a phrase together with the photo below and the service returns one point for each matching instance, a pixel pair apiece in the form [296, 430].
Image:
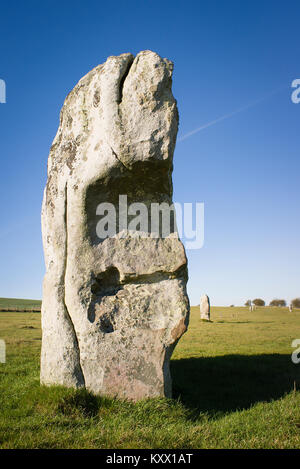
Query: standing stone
[113, 308]
[205, 308]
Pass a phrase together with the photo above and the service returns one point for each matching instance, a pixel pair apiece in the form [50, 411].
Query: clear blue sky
[245, 168]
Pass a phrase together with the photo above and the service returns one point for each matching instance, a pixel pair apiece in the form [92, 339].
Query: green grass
[233, 388]
[18, 304]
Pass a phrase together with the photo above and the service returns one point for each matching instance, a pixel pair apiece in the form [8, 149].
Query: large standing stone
[113, 309]
[205, 308]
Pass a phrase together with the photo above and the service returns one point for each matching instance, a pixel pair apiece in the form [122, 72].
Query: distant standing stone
[205, 308]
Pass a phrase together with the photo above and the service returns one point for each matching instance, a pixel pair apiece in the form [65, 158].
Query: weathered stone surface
[205, 308]
[113, 309]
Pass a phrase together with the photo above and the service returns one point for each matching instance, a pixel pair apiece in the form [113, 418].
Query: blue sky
[245, 168]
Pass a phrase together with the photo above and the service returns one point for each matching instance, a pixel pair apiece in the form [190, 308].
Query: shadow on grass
[86, 403]
[231, 382]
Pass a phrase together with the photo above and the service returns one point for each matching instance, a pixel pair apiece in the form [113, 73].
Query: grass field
[234, 387]
[17, 304]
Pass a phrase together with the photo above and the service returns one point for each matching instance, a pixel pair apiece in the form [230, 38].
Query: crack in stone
[155, 277]
[79, 374]
[116, 156]
[122, 80]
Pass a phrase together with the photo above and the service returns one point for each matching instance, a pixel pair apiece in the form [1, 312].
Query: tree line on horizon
[295, 303]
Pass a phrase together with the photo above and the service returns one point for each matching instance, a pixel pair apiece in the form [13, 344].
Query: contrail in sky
[230, 114]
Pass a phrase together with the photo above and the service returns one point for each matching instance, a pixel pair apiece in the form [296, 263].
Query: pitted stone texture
[205, 308]
[113, 309]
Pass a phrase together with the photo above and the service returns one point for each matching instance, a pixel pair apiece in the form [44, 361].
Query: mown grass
[233, 388]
